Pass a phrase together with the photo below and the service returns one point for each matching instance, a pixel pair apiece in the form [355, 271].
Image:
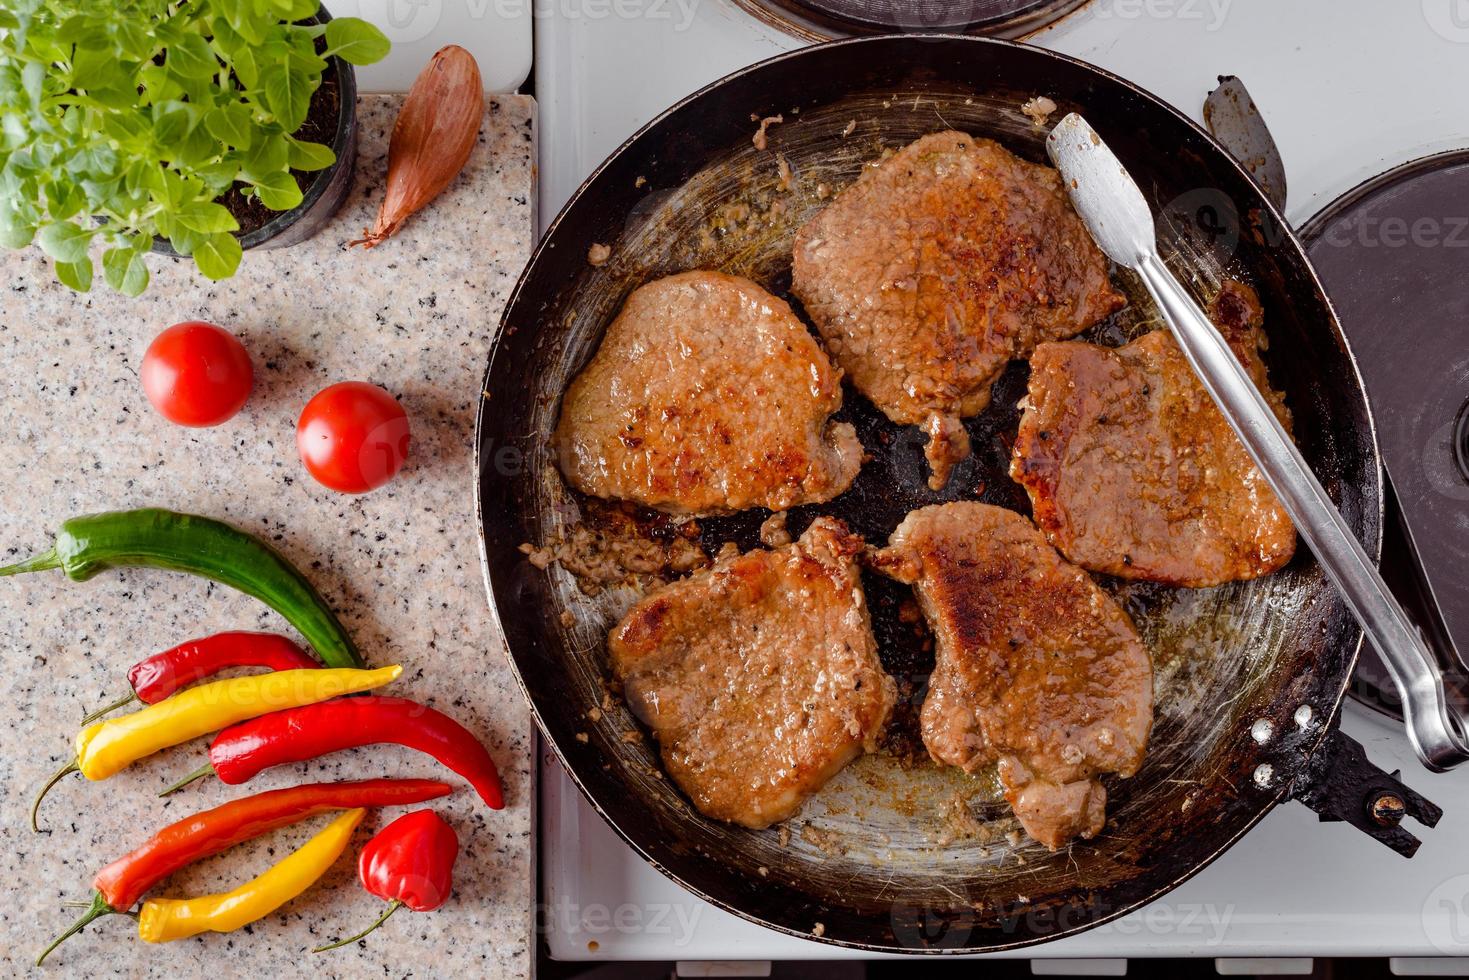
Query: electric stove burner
[1392, 254]
[819, 20]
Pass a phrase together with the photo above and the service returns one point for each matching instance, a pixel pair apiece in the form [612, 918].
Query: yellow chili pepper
[163, 920]
[107, 747]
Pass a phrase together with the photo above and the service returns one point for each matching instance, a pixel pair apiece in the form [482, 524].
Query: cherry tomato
[353, 437]
[197, 374]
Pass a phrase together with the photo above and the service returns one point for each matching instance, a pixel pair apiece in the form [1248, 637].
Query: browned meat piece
[707, 396]
[1132, 470]
[1037, 668]
[939, 266]
[760, 677]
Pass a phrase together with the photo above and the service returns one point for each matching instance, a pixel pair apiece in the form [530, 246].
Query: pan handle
[1339, 783]
[1433, 726]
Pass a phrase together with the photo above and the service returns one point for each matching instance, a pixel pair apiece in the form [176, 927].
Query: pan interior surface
[897, 853]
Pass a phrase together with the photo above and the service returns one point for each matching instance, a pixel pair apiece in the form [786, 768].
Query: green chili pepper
[153, 538]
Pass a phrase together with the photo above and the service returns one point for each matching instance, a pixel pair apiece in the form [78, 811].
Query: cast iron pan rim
[1259, 200]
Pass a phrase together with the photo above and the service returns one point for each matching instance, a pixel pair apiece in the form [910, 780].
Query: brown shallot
[436, 129]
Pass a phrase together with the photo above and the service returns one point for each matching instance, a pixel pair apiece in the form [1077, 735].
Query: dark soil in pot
[320, 127]
[331, 119]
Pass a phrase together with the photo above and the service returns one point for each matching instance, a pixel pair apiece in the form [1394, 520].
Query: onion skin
[432, 138]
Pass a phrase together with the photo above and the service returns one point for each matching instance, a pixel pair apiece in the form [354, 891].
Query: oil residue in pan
[896, 811]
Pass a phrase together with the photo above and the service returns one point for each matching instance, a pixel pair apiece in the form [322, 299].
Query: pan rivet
[1264, 775]
[1387, 809]
[1305, 716]
[1263, 730]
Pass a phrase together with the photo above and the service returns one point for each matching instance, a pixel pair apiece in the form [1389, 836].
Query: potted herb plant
[197, 129]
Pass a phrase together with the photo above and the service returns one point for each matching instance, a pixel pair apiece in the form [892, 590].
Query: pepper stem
[37, 563]
[393, 906]
[109, 709]
[95, 911]
[199, 773]
[65, 770]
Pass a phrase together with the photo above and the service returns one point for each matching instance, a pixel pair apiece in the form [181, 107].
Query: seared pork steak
[760, 677]
[939, 266]
[1037, 668]
[707, 396]
[1133, 471]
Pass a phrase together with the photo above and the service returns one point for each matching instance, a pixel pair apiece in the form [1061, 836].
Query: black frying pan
[1249, 676]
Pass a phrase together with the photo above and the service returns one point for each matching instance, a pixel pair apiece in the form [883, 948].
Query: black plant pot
[328, 189]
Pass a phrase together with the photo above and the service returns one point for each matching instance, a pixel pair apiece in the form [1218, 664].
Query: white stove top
[1349, 88]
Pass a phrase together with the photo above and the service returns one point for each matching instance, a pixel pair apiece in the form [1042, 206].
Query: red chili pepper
[242, 751]
[120, 884]
[162, 674]
[410, 862]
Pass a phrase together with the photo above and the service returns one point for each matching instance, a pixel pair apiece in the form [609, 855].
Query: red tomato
[353, 437]
[197, 374]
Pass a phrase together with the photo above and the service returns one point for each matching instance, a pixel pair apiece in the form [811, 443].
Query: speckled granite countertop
[401, 566]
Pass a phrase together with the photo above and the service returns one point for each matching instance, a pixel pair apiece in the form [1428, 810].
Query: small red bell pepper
[410, 862]
[161, 675]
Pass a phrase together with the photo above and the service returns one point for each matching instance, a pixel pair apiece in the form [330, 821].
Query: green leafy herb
[127, 120]
[278, 191]
[77, 275]
[218, 255]
[355, 41]
[125, 270]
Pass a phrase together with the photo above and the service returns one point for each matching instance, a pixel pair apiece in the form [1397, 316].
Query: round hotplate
[1393, 254]
[818, 20]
